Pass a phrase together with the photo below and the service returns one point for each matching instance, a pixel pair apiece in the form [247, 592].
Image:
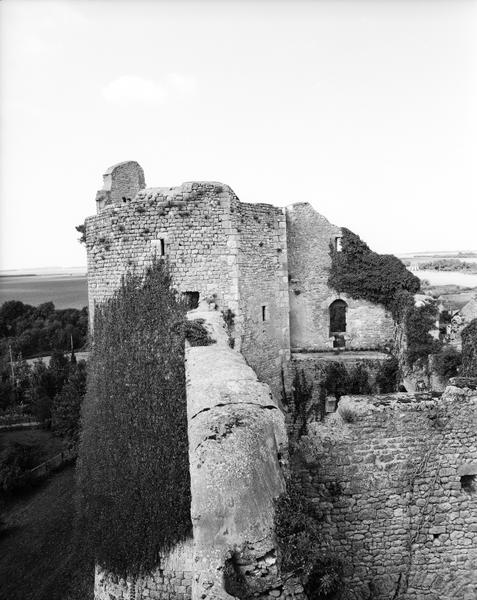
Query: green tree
[66, 409]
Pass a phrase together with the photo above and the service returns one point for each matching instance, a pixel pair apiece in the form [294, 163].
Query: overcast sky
[366, 109]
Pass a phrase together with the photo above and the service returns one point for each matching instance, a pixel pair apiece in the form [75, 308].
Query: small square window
[192, 300]
[264, 312]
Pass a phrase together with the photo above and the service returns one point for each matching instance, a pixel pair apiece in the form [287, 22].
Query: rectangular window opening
[264, 312]
[162, 249]
[192, 300]
[338, 245]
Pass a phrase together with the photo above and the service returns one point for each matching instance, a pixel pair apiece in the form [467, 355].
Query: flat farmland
[65, 291]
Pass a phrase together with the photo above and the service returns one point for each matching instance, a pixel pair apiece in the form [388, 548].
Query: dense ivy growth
[133, 472]
[469, 350]
[363, 274]
[383, 279]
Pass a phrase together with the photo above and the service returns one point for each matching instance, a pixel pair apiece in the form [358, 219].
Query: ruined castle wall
[313, 365]
[198, 238]
[263, 290]
[237, 438]
[394, 480]
[309, 236]
[172, 580]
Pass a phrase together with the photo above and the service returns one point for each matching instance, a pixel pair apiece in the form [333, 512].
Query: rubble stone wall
[237, 440]
[396, 479]
[309, 235]
[198, 237]
[172, 580]
[263, 291]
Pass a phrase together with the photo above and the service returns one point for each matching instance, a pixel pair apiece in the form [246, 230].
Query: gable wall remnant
[309, 235]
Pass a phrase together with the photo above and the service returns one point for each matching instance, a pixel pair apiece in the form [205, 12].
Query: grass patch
[40, 556]
[48, 445]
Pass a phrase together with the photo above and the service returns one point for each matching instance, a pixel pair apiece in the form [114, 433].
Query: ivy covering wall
[383, 279]
[363, 274]
[133, 469]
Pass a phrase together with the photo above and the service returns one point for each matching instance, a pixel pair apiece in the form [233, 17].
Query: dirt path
[39, 560]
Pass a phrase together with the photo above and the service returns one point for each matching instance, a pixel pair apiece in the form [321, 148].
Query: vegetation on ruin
[196, 333]
[301, 543]
[447, 362]
[337, 380]
[81, 229]
[469, 350]
[418, 322]
[388, 376]
[363, 274]
[383, 279]
[133, 469]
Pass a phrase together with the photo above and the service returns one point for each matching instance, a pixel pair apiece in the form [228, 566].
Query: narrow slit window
[162, 247]
[338, 244]
[264, 312]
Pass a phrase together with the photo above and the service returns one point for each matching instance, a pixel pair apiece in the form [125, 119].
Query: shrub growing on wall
[447, 362]
[133, 471]
[469, 350]
[387, 378]
[303, 548]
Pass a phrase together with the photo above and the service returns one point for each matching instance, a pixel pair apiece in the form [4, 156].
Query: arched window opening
[338, 317]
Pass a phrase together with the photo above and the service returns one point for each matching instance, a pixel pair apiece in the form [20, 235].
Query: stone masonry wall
[123, 180]
[237, 441]
[263, 291]
[215, 245]
[172, 581]
[395, 477]
[309, 236]
[313, 366]
[199, 239]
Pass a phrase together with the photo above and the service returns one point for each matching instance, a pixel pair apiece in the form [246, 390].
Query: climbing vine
[363, 274]
[383, 279]
[133, 470]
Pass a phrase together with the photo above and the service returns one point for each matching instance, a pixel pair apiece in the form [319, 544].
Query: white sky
[366, 109]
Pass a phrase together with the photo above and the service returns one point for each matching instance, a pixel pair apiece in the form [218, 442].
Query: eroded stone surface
[236, 437]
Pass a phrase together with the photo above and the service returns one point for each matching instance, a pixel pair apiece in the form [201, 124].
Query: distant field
[63, 291]
[448, 278]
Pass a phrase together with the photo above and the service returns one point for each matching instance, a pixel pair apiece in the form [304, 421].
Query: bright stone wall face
[231, 253]
[309, 236]
[263, 291]
[395, 487]
[193, 221]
